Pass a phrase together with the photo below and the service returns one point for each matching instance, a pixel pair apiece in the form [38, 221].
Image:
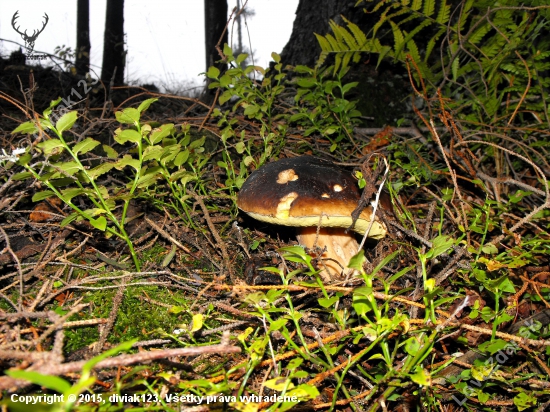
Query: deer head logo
[29, 40]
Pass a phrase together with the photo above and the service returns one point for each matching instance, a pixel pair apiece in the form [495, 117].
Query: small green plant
[490, 58]
[156, 154]
[257, 99]
[322, 106]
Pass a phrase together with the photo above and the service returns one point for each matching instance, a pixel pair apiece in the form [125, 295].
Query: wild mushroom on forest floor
[311, 194]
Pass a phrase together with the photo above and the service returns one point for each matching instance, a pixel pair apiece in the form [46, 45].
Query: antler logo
[29, 40]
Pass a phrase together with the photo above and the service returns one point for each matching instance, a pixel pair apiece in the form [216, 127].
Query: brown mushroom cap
[298, 191]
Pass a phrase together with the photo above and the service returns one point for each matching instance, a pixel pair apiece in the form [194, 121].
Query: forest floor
[463, 270]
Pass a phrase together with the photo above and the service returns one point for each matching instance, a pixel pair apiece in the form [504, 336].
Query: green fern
[483, 50]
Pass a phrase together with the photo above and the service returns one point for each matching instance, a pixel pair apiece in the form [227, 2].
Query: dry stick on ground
[453, 177]
[18, 264]
[121, 360]
[215, 233]
[538, 209]
[167, 236]
[106, 330]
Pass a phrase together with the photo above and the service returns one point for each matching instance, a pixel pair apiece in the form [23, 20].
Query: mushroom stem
[340, 248]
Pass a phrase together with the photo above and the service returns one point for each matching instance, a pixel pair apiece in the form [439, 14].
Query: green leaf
[440, 245]
[197, 322]
[145, 104]
[127, 160]
[45, 124]
[21, 176]
[225, 96]
[27, 128]
[127, 135]
[328, 302]
[99, 223]
[213, 72]
[69, 169]
[524, 400]
[49, 146]
[66, 121]
[152, 152]
[240, 147]
[362, 300]
[68, 194]
[278, 324]
[37, 197]
[356, 262]
[24, 159]
[421, 376]
[169, 153]
[110, 152]
[251, 109]
[489, 249]
[306, 82]
[100, 170]
[48, 381]
[85, 146]
[161, 132]
[429, 7]
[279, 384]
[518, 196]
[181, 158]
[128, 116]
[412, 346]
[72, 217]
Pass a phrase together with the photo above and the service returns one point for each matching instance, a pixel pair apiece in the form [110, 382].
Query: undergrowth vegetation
[136, 241]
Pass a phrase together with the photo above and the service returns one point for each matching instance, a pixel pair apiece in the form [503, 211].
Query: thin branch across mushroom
[307, 193]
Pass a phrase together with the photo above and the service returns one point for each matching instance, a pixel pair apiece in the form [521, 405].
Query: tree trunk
[82, 63]
[313, 16]
[386, 102]
[114, 54]
[215, 19]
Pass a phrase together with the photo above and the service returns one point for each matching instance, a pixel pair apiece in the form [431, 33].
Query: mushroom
[312, 195]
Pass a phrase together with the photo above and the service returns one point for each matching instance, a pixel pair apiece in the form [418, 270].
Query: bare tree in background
[215, 19]
[114, 54]
[82, 63]
[242, 13]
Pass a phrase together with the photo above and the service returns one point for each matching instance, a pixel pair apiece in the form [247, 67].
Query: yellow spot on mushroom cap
[288, 175]
[338, 188]
[283, 208]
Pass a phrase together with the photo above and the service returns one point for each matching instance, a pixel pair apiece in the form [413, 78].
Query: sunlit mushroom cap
[297, 191]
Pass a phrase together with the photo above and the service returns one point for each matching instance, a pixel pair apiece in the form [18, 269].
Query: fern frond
[476, 37]
[432, 42]
[413, 51]
[360, 37]
[325, 45]
[429, 8]
[444, 13]
[398, 38]
[416, 5]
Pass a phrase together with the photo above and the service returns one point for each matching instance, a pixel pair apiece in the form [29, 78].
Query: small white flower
[11, 157]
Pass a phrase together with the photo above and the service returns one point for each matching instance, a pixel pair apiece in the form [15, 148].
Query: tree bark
[215, 19]
[82, 62]
[114, 54]
[313, 16]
